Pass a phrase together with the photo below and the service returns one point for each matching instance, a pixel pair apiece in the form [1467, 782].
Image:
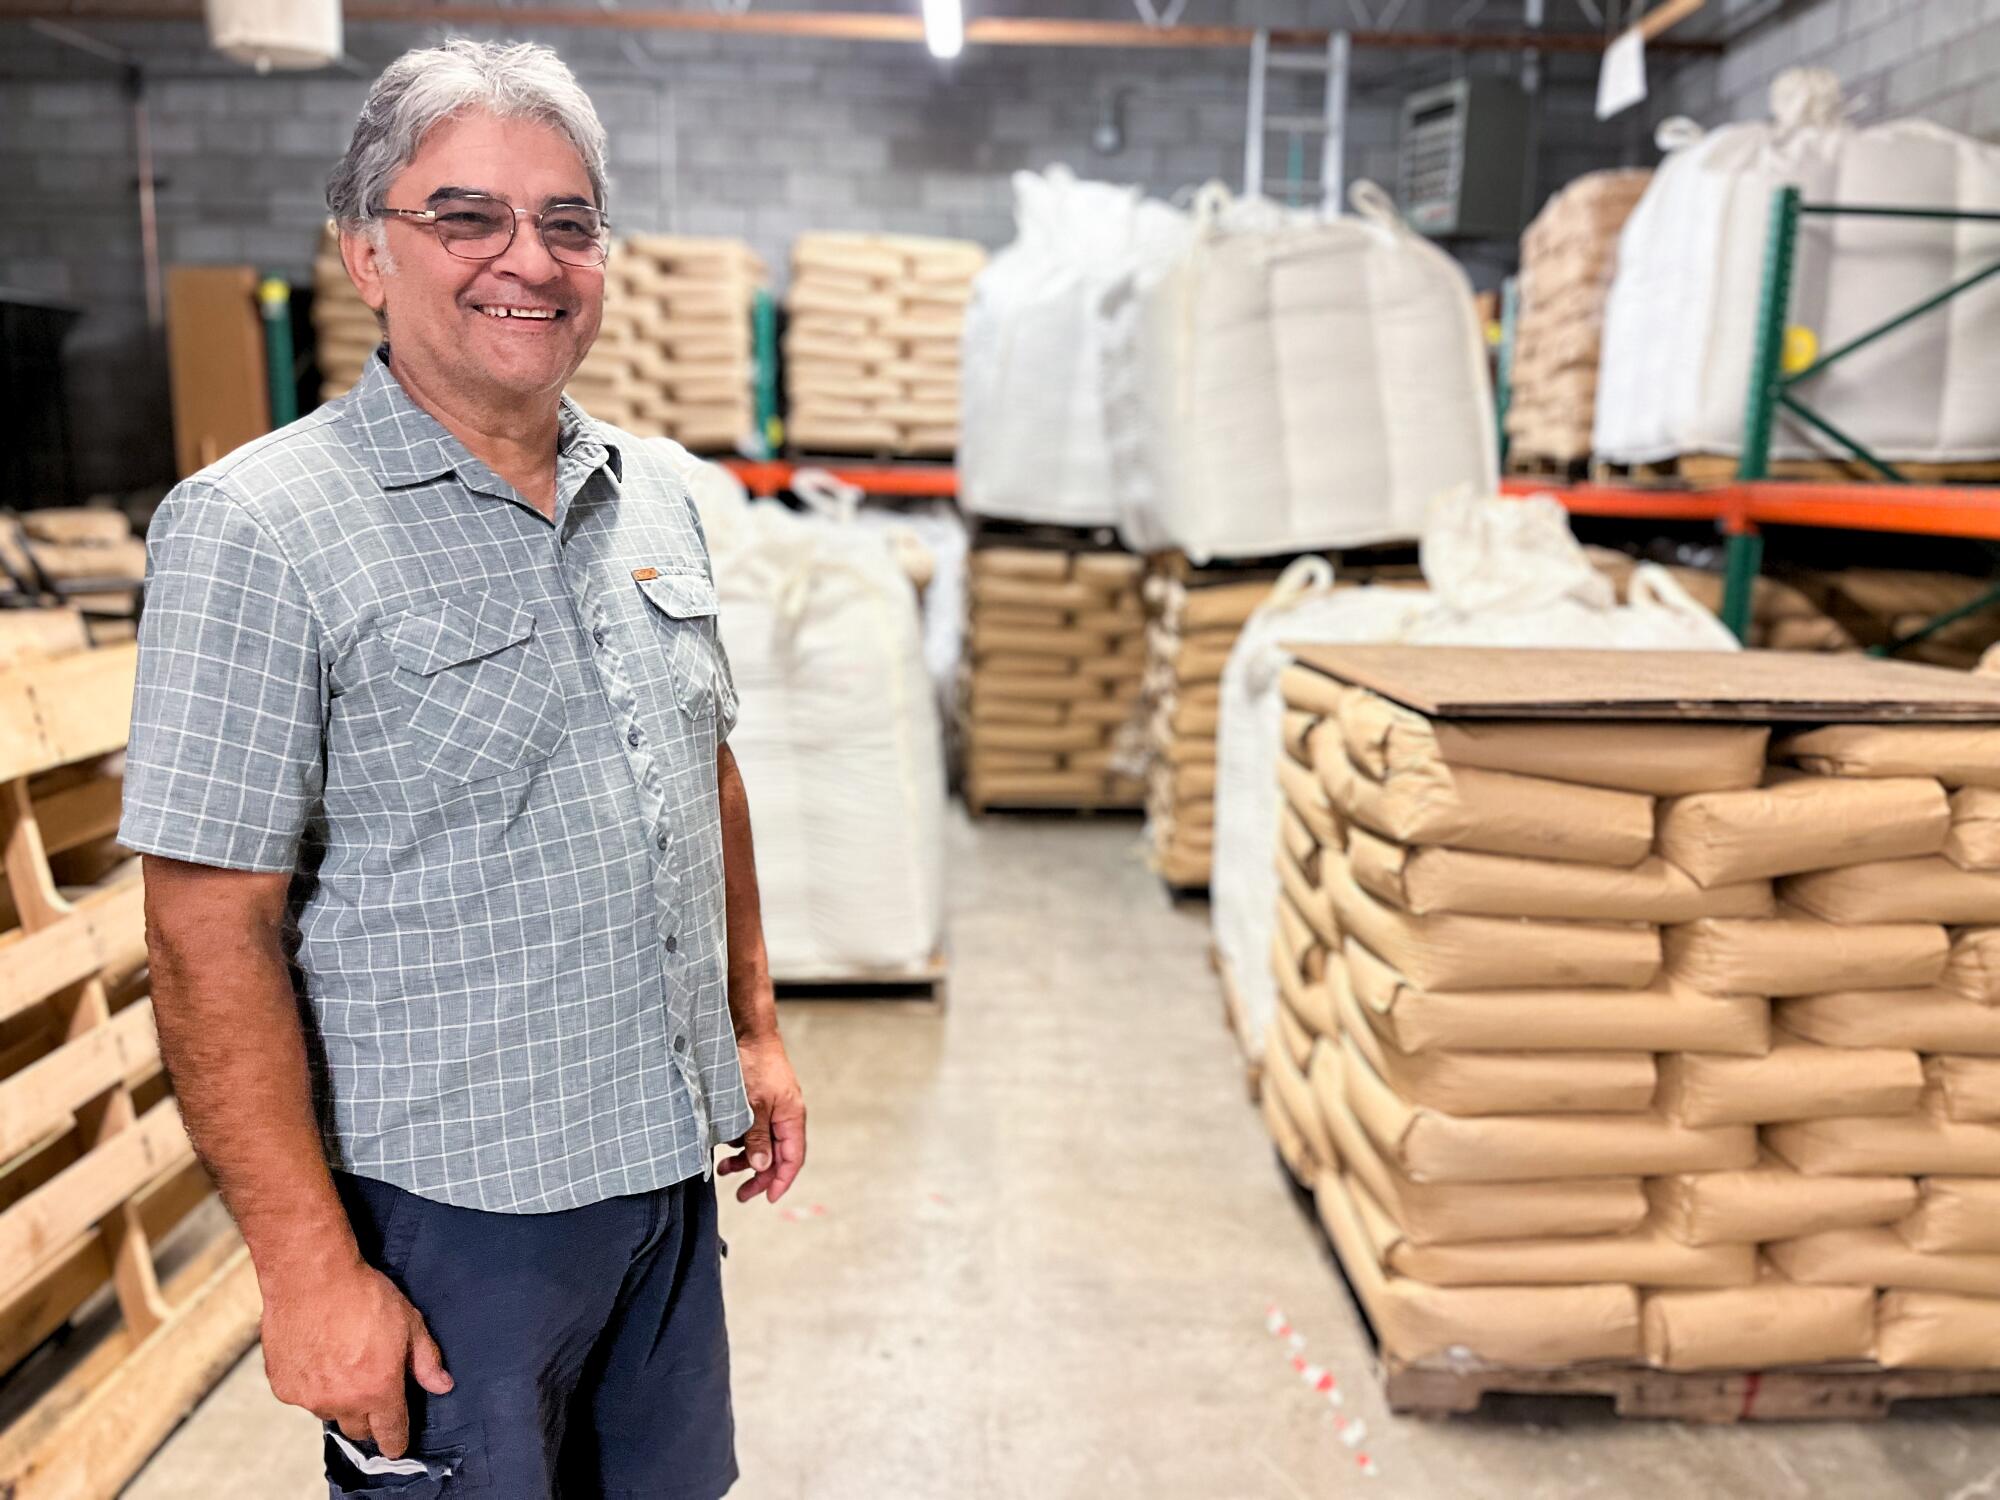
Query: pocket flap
[685, 596]
[443, 635]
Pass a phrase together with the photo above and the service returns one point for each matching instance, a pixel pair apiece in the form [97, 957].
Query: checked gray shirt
[484, 745]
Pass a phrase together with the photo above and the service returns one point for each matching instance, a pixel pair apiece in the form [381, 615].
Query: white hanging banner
[1621, 83]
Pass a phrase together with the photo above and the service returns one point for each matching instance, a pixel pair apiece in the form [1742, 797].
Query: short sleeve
[226, 761]
[725, 693]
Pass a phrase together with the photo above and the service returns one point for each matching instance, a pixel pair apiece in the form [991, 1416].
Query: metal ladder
[1330, 125]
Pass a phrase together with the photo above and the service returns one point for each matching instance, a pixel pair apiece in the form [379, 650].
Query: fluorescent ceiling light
[944, 28]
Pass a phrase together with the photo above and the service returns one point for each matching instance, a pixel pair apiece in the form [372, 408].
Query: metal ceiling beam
[991, 31]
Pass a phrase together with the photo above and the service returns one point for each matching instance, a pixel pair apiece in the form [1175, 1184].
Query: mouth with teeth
[521, 314]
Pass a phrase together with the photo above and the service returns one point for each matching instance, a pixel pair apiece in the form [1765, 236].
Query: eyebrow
[559, 200]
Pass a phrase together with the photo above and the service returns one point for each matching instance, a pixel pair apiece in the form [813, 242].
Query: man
[449, 888]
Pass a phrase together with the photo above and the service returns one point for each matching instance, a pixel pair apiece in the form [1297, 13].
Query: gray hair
[428, 85]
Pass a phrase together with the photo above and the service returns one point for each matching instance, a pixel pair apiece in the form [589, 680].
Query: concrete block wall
[1937, 60]
[760, 138]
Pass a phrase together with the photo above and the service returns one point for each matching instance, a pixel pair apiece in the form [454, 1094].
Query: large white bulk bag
[838, 737]
[1293, 383]
[1501, 573]
[1682, 316]
[1032, 438]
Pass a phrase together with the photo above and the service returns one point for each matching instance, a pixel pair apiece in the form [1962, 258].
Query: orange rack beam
[1961, 510]
[897, 481]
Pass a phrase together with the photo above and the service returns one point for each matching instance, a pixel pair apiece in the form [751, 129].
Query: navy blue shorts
[587, 1349]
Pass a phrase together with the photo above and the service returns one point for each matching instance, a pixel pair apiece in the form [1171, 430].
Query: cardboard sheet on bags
[1880, 1257]
[1973, 970]
[1468, 1212]
[1919, 1144]
[1928, 1020]
[1503, 1083]
[1494, 812]
[1936, 1331]
[1307, 797]
[1802, 823]
[1519, 1326]
[1932, 889]
[1285, 1078]
[1795, 1080]
[1434, 1147]
[1284, 1131]
[1772, 1201]
[1311, 1004]
[1793, 954]
[1965, 1088]
[1974, 840]
[1659, 759]
[1428, 880]
[1644, 1257]
[1773, 1322]
[1452, 952]
[1311, 900]
[1952, 1214]
[1957, 754]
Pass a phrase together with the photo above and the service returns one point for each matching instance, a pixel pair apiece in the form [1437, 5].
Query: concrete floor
[1033, 1249]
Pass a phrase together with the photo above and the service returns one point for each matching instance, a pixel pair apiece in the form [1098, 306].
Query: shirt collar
[403, 444]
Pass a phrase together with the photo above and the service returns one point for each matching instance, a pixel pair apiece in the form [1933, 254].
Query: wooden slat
[34, 966]
[80, 814]
[36, 1228]
[45, 1094]
[53, 712]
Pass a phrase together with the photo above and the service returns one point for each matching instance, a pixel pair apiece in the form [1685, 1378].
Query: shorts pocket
[358, 1471]
[482, 697]
[684, 607]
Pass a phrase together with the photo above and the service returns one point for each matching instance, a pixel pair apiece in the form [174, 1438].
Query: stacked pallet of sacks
[1050, 696]
[1567, 258]
[1671, 1042]
[872, 343]
[57, 553]
[674, 355]
[345, 332]
[1191, 628]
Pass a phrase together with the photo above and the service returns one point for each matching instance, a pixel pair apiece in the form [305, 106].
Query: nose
[528, 259]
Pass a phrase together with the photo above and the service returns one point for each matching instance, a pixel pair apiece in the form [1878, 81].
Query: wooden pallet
[1720, 468]
[1349, 563]
[98, 1171]
[926, 985]
[1548, 466]
[998, 531]
[1072, 807]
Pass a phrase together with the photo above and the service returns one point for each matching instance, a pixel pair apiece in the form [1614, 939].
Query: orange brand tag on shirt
[645, 575]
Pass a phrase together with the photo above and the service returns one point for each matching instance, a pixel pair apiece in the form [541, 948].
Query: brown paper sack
[1311, 1005]
[1966, 1088]
[1307, 797]
[1793, 954]
[1298, 1042]
[1974, 840]
[1918, 1144]
[1772, 1201]
[1284, 1077]
[1300, 842]
[1298, 725]
[1300, 944]
[1802, 823]
[1936, 1331]
[1018, 562]
[1933, 1020]
[1519, 1326]
[1957, 754]
[1775, 1322]
[1795, 1080]
[1492, 953]
[1954, 1213]
[1932, 889]
[1311, 692]
[1284, 1131]
[1661, 759]
[1973, 970]
[1430, 880]
[1879, 1257]
[1503, 1083]
[1433, 1147]
[1662, 1018]
[998, 590]
[1311, 900]
[1645, 1257]
[1494, 812]
[1465, 1212]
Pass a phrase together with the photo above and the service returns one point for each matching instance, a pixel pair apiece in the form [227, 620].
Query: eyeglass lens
[482, 229]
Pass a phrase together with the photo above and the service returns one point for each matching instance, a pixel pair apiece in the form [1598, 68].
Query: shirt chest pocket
[681, 609]
[481, 697]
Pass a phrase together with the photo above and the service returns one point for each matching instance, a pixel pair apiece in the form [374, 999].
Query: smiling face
[494, 333]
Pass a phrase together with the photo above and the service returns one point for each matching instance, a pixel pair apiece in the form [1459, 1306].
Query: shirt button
[673, 943]
[632, 738]
[661, 841]
[597, 635]
[681, 1042]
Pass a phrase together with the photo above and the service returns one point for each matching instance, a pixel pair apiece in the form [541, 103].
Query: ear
[367, 266]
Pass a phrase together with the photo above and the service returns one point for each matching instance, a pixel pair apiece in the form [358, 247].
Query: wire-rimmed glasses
[477, 226]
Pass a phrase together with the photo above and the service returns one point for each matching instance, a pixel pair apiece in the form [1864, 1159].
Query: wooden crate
[99, 1178]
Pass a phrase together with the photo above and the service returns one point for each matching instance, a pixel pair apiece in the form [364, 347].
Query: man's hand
[774, 1147]
[342, 1346]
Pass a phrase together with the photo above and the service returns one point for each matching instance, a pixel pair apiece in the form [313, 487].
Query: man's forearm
[234, 1047]
[753, 1007]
